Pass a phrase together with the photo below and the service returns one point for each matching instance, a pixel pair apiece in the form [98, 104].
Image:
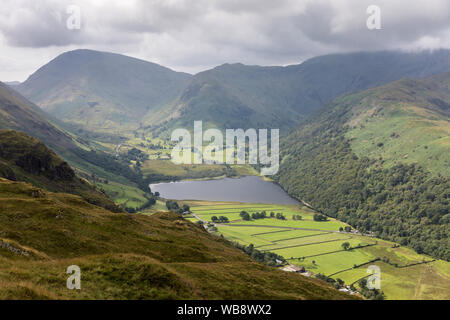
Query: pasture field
[317, 246]
[164, 170]
[123, 194]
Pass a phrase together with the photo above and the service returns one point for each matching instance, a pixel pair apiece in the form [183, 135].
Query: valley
[317, 246]
[123, 256]
[87, 178]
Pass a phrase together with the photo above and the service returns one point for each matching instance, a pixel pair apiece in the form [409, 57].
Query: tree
[172, 205]
[345, 246]
[319, 217]
[223, 219]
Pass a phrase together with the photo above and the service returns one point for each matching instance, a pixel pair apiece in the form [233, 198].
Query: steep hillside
[19, 114]
[102, 91]
[23, 158]
[379, 160]
[235, 96]
[123, 256]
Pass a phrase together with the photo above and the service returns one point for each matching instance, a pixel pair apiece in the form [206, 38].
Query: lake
[251, 189]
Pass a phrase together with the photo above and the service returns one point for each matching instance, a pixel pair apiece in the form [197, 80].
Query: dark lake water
[247, 189]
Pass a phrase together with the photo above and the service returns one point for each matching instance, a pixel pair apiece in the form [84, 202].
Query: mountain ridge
[101, 90]
[245, 96]
[132, 96]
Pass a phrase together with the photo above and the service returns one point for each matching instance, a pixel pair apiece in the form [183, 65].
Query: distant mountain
[12, 83]
[379, 160]
[102, 91]
[234, 96]
[112, 93]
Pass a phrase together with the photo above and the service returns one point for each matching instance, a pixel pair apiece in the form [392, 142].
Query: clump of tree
[280, 216]
[336, 283]
[372, 294]
[297, 217]
[259, 215]
[172, 205]
[245, 215]
[221, 219]
[135, 154]
[269, 258]
[346, 245]
[255, 215]
[320, 217]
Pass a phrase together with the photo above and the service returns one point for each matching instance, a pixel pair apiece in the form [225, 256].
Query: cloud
[194, 35]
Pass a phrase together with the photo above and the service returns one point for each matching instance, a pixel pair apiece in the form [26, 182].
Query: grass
[124, 256]
[322, 252]
[403, 133]
[124, 195]
[167, 170]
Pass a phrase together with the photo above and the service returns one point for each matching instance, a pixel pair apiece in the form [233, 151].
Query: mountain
[379, 160]
[12, 83]
[240, 96]
[102, 91]
[111, 93]
[123, 256]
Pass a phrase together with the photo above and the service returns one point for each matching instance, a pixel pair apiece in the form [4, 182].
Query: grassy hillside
[23, 158]
[125, 256]
[102, 91]
[378, 160]
[405, 122]
[17, 113]
[240, 96]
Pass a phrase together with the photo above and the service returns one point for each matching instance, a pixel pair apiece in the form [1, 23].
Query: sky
[195, 35]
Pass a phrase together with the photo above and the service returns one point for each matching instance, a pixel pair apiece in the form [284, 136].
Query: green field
[166, 169]
[403, 133]
[317, 246]
[124, 195]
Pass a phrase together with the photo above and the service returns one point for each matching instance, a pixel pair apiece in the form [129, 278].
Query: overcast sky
[195, 35]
